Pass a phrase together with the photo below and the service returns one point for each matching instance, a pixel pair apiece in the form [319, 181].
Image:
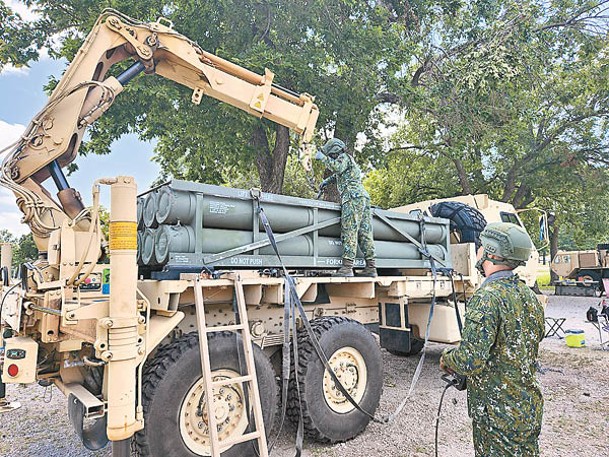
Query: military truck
[581, 272]
[115, 324]
[468, 215]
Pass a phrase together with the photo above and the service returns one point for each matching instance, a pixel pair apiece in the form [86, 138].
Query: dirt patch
[574, 383]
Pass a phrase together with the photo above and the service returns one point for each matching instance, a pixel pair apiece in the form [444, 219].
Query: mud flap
[94, 436]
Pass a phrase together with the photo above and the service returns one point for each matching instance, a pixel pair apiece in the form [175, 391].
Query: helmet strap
[495, 261]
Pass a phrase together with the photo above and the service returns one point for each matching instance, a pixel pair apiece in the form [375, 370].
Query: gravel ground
[574, 381]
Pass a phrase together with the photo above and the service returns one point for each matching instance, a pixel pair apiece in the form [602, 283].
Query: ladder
[241, 325]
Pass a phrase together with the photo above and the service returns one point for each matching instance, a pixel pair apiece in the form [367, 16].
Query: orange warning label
[123, 236]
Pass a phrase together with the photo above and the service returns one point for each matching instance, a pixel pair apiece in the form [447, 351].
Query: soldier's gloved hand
[319, 155]
[445, 368]
[322, 186]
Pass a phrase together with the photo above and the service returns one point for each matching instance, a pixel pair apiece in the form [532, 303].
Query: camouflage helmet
[508, 241]
[333, 147]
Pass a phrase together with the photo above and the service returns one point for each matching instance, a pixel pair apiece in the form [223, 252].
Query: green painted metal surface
[193, 225]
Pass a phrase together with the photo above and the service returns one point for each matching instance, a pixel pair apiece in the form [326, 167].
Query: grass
[543, 279]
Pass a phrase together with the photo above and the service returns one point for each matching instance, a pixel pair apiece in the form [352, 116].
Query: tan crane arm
[52, 139]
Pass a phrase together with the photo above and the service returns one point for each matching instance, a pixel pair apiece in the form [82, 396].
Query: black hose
[6, 276]
[438, 416]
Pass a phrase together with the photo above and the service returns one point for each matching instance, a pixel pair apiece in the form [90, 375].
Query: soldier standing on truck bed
[504, 324]
[356, 216]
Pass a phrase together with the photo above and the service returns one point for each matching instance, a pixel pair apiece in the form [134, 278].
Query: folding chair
[554, 325]
[602, 325]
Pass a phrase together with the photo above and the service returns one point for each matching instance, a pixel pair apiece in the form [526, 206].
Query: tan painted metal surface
[493, 211]
[567, 264]
[124, 342]
[6, 256]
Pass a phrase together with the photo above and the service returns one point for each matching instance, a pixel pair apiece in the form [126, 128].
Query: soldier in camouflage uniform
[356, 217]
[504, 324]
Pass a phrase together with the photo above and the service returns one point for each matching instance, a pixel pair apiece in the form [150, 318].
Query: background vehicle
[581, 272]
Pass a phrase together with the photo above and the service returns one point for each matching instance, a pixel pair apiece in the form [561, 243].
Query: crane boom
[52, 139]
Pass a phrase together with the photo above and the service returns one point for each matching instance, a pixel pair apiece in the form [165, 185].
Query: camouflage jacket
[347, 175]
[504, 324]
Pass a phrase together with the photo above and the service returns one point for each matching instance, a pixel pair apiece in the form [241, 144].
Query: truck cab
[471, 213]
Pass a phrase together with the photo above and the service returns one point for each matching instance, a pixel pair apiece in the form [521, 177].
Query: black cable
[292, 304]
[305, 321]
[5, 276]
[438, 416]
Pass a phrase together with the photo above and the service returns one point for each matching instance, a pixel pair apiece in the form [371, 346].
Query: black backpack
[592, 314]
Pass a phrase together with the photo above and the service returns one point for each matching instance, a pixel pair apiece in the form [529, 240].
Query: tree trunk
[463, 180]
[522, 198]
[553, 248]
[271, 164]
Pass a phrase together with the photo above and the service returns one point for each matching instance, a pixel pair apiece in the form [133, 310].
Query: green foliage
[509, 98]
[24, 248]
[410, 176]
[504, 107]
[296, 184]
[334, 49]
[19, 41]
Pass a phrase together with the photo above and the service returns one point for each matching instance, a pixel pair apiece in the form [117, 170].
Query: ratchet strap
[434, 271]
[292, 305]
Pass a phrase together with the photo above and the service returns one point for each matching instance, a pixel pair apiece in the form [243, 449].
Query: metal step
[241, 439]
[225, 328]
[217, 446]
[229, 381]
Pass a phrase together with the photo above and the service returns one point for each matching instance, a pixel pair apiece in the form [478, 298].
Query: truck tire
[468, 222]
[173, 387]
[356, 358]
[416, 346]
[592, 275]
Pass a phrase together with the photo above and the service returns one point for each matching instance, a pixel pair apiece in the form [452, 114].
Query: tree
[508, 99]
[19, 41]
[486, 92]
[410, 177]
[334, 49]
[24, 248]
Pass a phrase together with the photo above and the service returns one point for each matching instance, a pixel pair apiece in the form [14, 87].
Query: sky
[22, 96]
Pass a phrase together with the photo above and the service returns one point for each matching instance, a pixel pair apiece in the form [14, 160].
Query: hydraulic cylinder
[122, 320]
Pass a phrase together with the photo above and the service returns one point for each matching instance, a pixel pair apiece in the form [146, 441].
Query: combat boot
[370, 270]
[346, 271]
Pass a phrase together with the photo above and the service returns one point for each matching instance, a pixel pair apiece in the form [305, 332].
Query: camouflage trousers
[492, 442]
[356, 228]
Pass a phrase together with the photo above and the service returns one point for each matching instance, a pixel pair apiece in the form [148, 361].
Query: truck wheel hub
[229, 411]
[350, 369]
